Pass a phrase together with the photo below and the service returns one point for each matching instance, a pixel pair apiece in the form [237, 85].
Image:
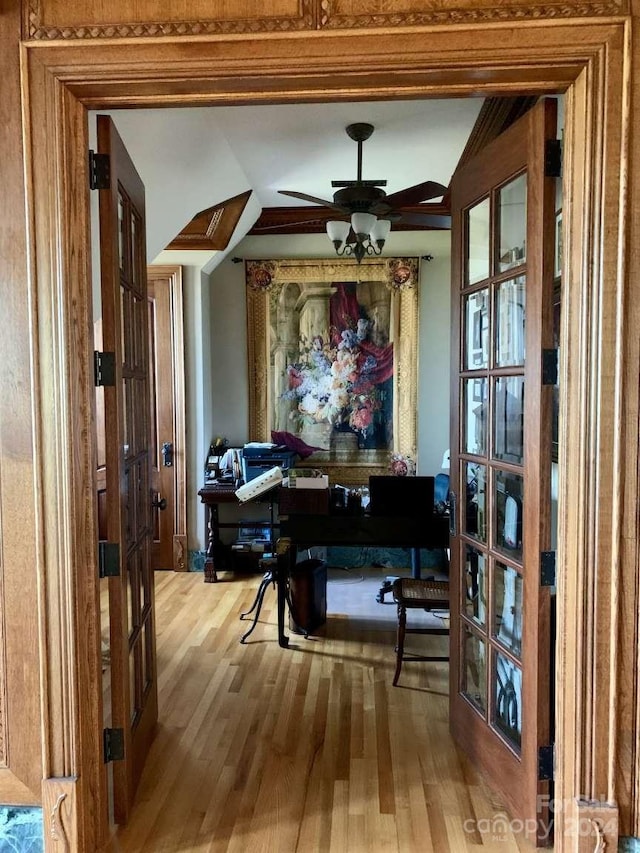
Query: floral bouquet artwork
[402, 466]
[342, 378]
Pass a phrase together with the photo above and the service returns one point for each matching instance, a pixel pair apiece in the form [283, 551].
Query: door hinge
[99, 171]
[104, 368]
[548, 568]
[113, 744]
[546, 755]
[553, 158]
[108, 560]
[550, 366]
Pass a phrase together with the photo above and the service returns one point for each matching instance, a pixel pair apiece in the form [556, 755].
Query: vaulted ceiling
[212, 174]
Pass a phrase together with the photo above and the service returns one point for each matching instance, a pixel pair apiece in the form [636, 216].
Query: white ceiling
[304, 146]
[191, 159]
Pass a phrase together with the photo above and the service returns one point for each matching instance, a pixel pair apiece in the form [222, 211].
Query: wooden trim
[21, 552]
[589, 510]
[59, 809]
[312, 14]
[533, 57]
[174, 274]
[208, 231]
[63, 364]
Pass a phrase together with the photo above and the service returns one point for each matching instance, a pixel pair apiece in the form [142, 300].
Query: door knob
[160, 503]
[167, 454]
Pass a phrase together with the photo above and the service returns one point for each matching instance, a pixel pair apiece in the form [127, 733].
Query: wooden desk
[359, 530]
[212, 496]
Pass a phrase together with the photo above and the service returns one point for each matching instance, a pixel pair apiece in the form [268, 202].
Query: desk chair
[427, 594]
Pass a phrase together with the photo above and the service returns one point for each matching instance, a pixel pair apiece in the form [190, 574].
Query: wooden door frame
[590, 59]
[174, 276]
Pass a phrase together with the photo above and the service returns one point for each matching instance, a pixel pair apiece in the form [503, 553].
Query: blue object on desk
[256, 463]
[441, 489]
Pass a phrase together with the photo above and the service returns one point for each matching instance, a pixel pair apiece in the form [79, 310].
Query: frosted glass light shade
[380, 230]
[362, 223]
[337, 230]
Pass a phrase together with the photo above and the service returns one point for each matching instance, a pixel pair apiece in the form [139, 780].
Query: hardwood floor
[312, 749]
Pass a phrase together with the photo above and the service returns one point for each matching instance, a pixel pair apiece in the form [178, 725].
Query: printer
[258, 457]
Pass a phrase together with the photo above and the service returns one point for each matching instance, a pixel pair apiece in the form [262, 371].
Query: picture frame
[332, 358]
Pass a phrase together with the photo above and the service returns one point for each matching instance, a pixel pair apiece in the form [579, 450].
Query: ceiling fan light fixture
[362, 224]
[380, 232]
[338, 231]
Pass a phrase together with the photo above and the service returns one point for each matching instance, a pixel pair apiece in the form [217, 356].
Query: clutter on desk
[307, 478]
[259, 456]
[260, 484]
[212, 465]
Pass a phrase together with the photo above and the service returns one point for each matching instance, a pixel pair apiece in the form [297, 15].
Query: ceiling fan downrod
[359, 132]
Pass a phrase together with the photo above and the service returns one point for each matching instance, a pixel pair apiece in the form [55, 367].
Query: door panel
[166, 357]
[502, 230]
[128, 488]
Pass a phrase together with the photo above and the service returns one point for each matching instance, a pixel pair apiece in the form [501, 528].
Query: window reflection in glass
[508, 607]
[508, 419]
[474, 668]
[508, 513]
[121, 223]
[475, 397]
[477, 330]
[507, 699]
[478, 220]
[475, 514]
[510, 322]
[512, 217]
[475, 604]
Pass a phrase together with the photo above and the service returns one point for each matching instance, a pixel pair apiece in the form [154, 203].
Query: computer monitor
[401, 496]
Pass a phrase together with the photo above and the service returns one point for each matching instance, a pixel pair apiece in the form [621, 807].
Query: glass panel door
[503, 212]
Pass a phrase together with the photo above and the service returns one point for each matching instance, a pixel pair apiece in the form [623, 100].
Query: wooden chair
[411, 594]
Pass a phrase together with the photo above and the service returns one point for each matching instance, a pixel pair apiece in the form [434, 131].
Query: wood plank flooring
[271, 751]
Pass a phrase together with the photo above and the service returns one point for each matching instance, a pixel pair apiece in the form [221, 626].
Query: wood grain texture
[492, 58]
[589, 554]
[59, 811]
[67, 19]
[20, 541]
[310, 749]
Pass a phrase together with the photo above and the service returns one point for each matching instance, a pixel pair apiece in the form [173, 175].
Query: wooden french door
[166, 377]
[502, 293]
[126, 409]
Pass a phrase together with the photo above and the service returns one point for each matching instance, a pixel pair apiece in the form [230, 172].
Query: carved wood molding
[462, 15]
[36, 29]
[212, 228]
[59, 812]
[317, 14]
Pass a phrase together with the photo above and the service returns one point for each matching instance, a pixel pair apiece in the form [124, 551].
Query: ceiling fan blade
[416, 194]
[435, 220]
[314, 200]
[297, 224]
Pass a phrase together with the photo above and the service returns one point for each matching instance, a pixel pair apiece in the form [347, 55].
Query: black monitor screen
[401, 496]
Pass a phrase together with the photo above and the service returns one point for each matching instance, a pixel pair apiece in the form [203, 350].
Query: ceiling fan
[368, 197]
